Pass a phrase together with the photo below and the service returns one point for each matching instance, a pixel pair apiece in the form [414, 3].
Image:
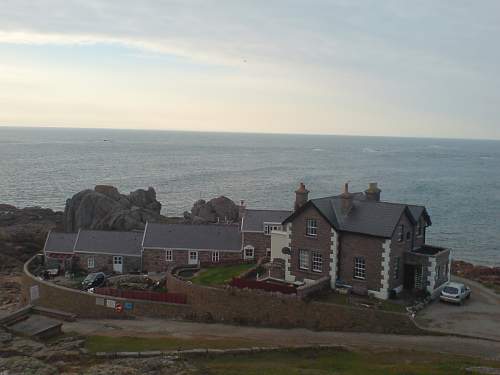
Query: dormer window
[311, 228]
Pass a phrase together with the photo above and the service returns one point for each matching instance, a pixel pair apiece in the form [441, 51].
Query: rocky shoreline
[488, 276]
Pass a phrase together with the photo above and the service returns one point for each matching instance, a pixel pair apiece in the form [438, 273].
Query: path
[284, 337]
[479, 316]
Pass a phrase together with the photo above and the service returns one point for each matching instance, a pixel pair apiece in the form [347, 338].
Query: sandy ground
[479, 316]
[284, 337]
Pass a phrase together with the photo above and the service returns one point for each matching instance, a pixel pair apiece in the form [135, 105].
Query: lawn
[219, 275]
[339, 362]
[134, 344]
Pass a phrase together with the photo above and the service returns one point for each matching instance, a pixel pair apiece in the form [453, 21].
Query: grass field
[219, 275]
[134, 344]
[337, 362]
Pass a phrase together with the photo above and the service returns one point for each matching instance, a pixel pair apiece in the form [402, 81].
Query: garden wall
[89, 305]
[254, 307]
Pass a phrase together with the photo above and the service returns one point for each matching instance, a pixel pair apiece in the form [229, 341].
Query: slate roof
[109, 242]
[254, 219]
[58, 242]
[195, 237]
[366, 217]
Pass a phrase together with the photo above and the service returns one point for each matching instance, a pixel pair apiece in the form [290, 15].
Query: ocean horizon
[457, 180]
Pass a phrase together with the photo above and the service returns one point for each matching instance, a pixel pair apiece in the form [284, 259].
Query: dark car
[93, 280]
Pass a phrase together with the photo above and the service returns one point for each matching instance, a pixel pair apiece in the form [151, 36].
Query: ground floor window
[359, 268]
[317, 261]
[169, 255]
[215, 256]
[249, 252]
[268, 252]
[303, 259]
[90, 262]
[193, 257]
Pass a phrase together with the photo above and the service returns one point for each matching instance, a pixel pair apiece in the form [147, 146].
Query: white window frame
[401, 234]
[169, 255]
[317, 261]
[91, 262]
[303, 259]
[248, 252]
[215, 256]
[193, 255]
[311, 227]
[359, 268]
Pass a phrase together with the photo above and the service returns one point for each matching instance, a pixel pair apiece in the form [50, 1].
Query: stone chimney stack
[301, 196]
[373, 192]
[241, 209]
[346, 199]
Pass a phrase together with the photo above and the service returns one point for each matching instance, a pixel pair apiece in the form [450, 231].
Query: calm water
[458, 181]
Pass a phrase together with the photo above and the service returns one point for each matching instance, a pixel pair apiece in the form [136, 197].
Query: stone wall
[259, 241]
[87, 305]
[154, 260]
[253, 307]
[104, 262]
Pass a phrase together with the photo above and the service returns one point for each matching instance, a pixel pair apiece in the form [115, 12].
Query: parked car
[93, 280]
[455, 293]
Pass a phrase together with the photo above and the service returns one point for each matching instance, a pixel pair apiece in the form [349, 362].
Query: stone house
[58, 250]
[256, 228]
[108, 251]
[373, 247]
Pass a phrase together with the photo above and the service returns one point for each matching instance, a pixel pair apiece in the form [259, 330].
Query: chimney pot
[373, 192]
[301, 196]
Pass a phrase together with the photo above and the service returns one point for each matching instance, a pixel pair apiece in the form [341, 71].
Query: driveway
[479, 316]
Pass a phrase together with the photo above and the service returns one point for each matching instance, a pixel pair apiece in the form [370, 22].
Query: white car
[455, 293]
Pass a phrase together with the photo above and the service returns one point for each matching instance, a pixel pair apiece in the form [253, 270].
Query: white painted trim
[383, 292]
[288, 274]
[334, 256]
[47, 240]
[76, 240]
[431, 277]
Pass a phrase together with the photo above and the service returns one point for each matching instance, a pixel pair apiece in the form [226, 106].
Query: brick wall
[84, 304]
[259, 241]
[253, 307]
[398, 249]
[154, 260]
[370, 248]
[321, 243]
[104, 263]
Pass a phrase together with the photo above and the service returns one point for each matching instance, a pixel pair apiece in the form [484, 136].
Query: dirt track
[284, 337]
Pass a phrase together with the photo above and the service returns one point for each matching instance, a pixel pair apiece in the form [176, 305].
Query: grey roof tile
[58, 242]
[254, 219]
[109, 242]
[190, 236]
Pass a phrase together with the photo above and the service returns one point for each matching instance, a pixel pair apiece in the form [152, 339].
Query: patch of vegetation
[338, 362]
[136, 344]
[220, 275]
[360, 301]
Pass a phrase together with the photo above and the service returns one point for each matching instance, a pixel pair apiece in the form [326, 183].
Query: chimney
[301, 196]
[346, 199]
[373, 192]
[241, 209]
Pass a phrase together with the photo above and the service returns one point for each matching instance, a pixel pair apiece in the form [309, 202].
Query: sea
[457, 180]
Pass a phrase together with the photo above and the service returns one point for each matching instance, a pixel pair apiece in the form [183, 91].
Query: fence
[144, 295]
[262, 285]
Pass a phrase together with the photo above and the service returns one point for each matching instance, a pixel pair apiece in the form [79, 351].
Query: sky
[421, 68]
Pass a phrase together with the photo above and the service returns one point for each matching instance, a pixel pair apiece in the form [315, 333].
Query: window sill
[359, 278]
[311, 237]
[318, 271]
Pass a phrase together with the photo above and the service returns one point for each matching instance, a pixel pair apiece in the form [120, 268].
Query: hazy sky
[381, 67]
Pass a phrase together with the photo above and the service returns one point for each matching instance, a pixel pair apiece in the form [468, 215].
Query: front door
[193, 257]
[118, 264]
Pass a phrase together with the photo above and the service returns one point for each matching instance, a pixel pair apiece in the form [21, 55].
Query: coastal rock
[106, 209]
[489, 276]
[25, 366]
[217, 209]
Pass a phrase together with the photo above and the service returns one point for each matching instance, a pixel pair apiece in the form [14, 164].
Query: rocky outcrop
[106, 209]
[221, 209]
[489, 276]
